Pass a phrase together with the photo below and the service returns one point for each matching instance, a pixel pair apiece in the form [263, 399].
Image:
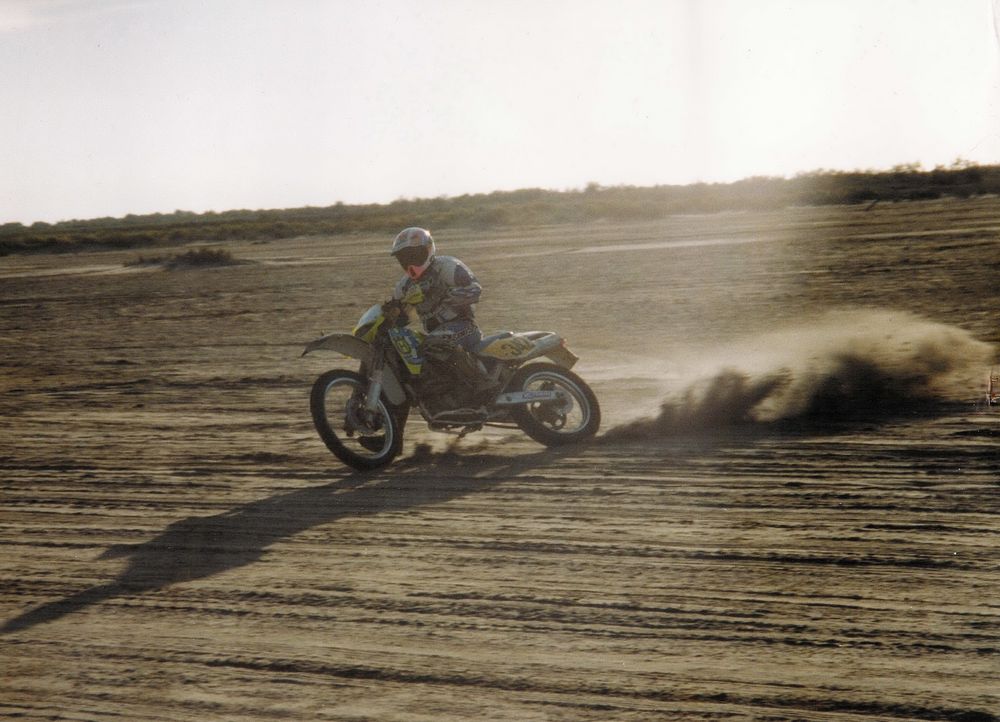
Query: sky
[111, 107]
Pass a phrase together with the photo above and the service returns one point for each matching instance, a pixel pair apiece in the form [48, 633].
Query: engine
[444, 383]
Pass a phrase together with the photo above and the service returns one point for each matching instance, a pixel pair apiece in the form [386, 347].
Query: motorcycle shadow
[199, 547]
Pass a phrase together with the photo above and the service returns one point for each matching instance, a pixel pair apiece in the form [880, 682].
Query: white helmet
[414, 249]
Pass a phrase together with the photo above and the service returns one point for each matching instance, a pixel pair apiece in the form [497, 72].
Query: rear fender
[522, 347]
[352, 346]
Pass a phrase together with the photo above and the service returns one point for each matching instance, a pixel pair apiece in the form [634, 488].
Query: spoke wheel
[575, 417]
[360, 438]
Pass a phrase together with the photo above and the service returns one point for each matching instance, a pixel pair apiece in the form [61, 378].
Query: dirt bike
[361, 415]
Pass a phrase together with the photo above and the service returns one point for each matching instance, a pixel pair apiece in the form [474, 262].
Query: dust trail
[845, 365]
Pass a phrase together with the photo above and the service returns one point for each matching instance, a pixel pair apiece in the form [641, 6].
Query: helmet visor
[411, 256]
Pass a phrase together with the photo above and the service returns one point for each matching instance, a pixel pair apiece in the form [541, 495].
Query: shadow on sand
[200, 547]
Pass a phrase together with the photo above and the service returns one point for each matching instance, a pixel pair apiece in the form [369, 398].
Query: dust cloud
[842, 366]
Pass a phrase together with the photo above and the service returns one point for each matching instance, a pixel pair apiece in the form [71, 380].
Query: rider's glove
[392, 308]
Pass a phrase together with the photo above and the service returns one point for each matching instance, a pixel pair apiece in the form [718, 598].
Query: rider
[449, 292]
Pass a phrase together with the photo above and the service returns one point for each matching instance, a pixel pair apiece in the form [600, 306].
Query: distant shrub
[203, 257]
[146, 261]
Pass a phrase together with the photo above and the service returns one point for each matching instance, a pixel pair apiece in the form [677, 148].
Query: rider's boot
[472, 371]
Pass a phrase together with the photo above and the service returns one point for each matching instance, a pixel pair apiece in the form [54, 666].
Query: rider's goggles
[411, 256]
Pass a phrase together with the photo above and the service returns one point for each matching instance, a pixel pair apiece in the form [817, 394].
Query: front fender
[343, 343]
[348, 345]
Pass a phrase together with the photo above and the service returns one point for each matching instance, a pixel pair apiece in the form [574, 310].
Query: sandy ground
[790, 514]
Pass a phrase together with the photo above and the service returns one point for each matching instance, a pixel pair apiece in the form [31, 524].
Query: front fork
[374, 388]
[375, 379]
[374, 391]
[363, 412]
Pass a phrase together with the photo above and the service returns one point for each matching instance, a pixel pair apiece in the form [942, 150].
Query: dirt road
[791, 513]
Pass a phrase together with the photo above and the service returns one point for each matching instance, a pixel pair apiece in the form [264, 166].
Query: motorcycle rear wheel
[551, 423]
[360, 440]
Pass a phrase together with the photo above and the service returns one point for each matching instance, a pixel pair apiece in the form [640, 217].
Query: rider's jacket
[449, 289]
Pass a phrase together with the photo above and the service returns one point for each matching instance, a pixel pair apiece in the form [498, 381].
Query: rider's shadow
[200, 547]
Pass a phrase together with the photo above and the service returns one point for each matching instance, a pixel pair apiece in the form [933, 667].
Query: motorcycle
[360, 415]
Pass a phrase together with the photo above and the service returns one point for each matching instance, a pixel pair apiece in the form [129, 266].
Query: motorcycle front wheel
[555, 423]
[362, 439]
